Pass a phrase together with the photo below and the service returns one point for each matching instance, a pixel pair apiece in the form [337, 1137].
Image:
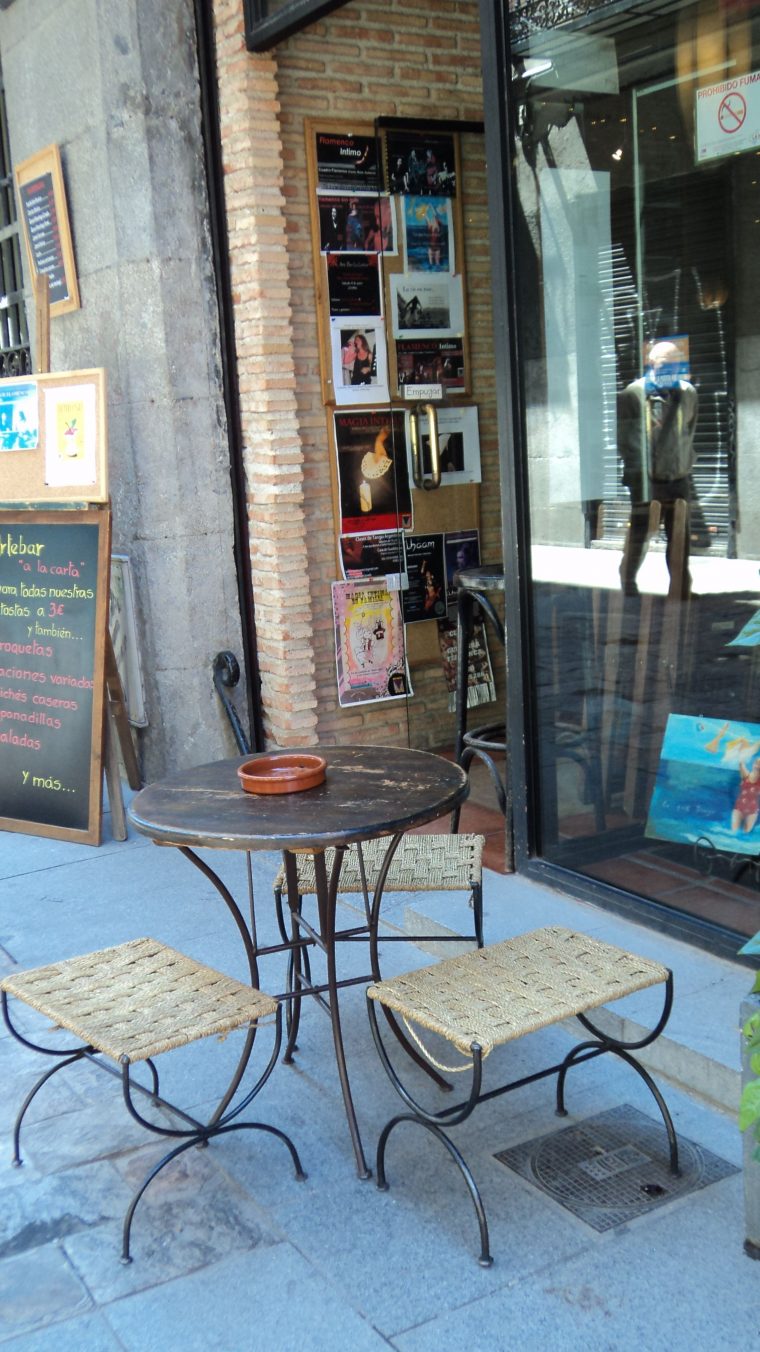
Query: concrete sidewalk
[231, 1253]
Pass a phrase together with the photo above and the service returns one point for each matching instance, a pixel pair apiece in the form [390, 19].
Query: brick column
[273, 456]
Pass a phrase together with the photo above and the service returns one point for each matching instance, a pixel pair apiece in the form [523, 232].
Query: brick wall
[369, 59]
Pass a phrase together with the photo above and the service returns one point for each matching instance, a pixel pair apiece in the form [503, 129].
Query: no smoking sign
[732, 113]
[728, 117]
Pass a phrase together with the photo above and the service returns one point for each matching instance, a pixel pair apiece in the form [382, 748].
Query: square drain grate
[613, 1167]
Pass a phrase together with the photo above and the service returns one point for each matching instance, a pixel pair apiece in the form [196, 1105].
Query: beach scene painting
[708, 784]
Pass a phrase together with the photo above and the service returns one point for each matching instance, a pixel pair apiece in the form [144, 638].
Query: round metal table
[369, 792]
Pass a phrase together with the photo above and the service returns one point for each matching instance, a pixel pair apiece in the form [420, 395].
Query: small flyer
[19, 415]
[359, 361]
[462, 550]
[458, 446]
[426, 307]
[70, 435]
[347, 162]
[373, 471]
[481, 687]
[428, 234]
[375, 555]
[419, 162]
[357, 223]
[353, 284]
[425, 596]
[707, 789]
[430, 361]
[369, 644]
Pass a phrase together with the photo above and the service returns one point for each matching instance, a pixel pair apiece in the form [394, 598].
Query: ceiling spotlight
[618, 154]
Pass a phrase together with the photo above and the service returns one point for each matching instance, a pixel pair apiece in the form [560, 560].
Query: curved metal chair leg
[154, 1077]
[33, 1092]
[484, 1259]
[197, 1139]
[577, 1054]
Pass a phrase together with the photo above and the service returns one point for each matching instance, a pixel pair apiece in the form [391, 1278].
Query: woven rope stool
[499, 993]
[131, 1003]
[422, 863]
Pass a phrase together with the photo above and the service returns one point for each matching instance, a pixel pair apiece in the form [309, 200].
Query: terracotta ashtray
[282, 773]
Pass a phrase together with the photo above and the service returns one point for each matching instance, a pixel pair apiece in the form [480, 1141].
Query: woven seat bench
[424, 862]
[489, 997]
[130, 1004]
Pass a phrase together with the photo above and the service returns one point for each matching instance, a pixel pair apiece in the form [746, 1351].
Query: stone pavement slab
[232, 1253]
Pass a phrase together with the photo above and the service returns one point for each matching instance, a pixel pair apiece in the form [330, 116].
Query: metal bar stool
[473, 587]
[494, 995]
[131, 1003]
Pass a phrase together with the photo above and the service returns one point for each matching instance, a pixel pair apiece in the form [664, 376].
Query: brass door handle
[434, 480]
[435, 459]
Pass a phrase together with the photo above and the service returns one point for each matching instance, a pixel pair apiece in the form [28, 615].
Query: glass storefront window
[636, 171]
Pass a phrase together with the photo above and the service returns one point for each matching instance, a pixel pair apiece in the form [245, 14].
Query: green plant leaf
[756, 985]
[752, 945]
[751, 1031]
[754, 1062]
[749, 1105]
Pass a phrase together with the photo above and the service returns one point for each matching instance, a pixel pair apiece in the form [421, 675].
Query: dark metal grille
[613, 1167]
[15, 352]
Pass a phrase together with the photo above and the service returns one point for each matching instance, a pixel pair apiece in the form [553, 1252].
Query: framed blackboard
[45, 217]
[53, 617]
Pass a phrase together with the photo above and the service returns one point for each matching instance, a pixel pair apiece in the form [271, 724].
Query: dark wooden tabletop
[369, 791]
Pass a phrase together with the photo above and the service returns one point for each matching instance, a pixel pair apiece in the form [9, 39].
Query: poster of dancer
[426, 307]
[462, 550]
[425, 595]
[419, 162]
[356, 223]
[708, 784]
[430, 361]
[359, 361]
[369, 644]
[428, 234]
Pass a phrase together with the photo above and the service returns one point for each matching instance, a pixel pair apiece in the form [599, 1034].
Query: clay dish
[286, 772]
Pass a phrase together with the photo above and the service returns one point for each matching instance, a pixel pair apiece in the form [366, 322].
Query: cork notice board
[53, 438]
[450, 507]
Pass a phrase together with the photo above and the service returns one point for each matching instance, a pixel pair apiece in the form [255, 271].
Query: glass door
[636, 178]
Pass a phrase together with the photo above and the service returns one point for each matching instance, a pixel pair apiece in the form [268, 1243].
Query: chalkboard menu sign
[53, 608]
[46, 226]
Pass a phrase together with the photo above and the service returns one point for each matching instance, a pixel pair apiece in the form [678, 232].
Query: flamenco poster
[369, 644]
[708, 785]
[373, 471]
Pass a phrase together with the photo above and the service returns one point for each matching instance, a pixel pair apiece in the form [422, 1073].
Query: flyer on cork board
[53, 599]
[53, 445]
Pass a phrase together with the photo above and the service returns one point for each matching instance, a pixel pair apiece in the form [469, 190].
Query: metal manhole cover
[613, 1167]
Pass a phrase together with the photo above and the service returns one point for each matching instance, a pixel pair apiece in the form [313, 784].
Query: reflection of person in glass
[361, 371]
[657, 418]
[747, 805]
